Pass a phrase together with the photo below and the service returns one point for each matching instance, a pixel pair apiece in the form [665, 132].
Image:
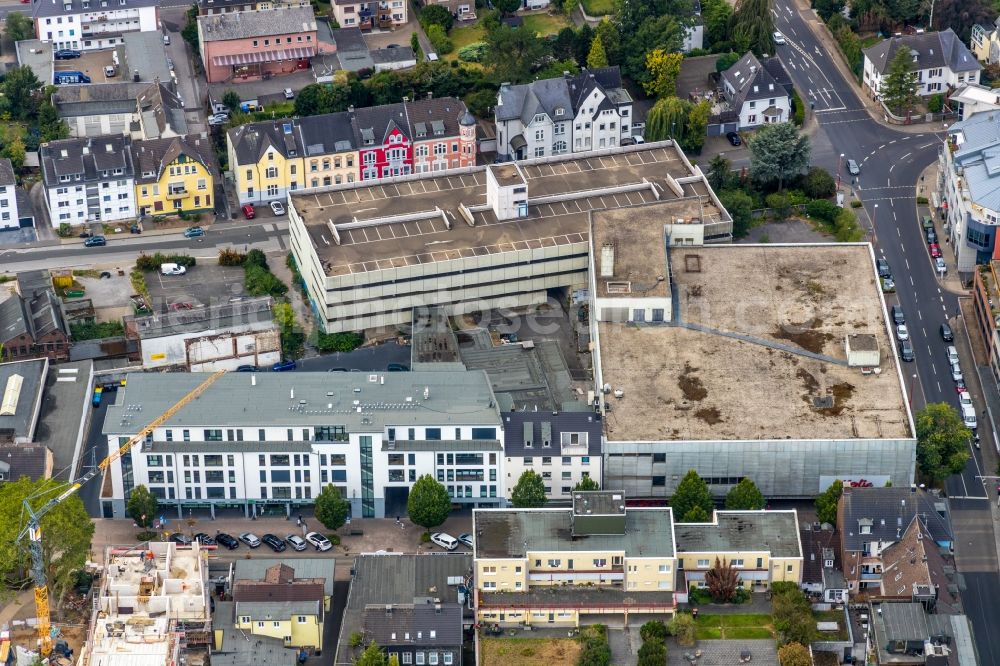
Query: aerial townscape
[499, 333]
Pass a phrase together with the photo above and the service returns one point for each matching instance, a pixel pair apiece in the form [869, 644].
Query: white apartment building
[756, 91]
[92, 24]
[88, 179]
[271, 441]
[941, 60]
[9, 218]
[588, 111]
[970, 187]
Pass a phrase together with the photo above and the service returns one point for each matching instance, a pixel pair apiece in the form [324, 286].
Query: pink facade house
[444, 134]
[252, 45]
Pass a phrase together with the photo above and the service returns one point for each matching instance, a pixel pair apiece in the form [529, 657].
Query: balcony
[177, 193]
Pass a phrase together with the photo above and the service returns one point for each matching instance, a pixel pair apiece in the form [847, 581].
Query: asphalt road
[891, 164]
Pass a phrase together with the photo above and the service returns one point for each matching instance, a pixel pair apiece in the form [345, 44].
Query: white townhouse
[9, 218]
[941, 60]
[572, 113]
[89, 179]
[92, 24]
[760, 92]
[269, 442]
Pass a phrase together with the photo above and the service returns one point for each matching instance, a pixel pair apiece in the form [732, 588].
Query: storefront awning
[263, 56]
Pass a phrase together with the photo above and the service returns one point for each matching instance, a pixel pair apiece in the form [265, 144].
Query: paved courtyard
[722, 653]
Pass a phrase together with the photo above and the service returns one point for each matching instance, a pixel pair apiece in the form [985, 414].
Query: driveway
[189, 86]
[400, 36]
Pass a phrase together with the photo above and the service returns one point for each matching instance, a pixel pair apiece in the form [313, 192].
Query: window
[737, 563]
[664, 568]
[212, 435]
[703, 564]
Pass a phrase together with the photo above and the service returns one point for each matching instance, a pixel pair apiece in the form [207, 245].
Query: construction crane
[33, 530]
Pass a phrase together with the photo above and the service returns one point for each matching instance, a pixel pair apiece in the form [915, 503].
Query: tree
[190, 31]
[436, 15]
[751, 27]
[372, 656]
[331, 509]
[827, 8]
[554, 69]
[792, 613]
[899, 86]
[794, 654]
[512, 54]
[142, 506]
[959, 15]
[14, 151]
[663, 69]
[654, 630]
[428, 504]
[19, 27]
[231, 99]
[20, 87]
[720, 173]
[942, 441]
[310, 100]
[826, 503]
[681, 626]
[740, 207]
[597, 57]
[50, 126]
[696, 514]
[667, 119]
[653, 653]
[818, 184]
[695, 127]
[745, 496]
[529, 493]
[692, 491]
[564, 46]
[726, 60]
[715, 14]
[415, 44]
[778, 152]
[611, 41]
[439, 38]
[663, 32]
[587, 483]
[722, 580]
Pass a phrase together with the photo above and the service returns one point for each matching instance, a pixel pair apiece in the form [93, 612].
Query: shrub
[856, 204]
[935, 103]
[439, 39]
[256, 258]
[259, 281]
[818, 183]
[653, 653]
[823, 210]
[799, 109]
[726, 60]
[65, 229]
[653, 630]
[699, 596]
[846, 227]
[338, 342]
[921, 201]
[152, 262]
[473, 52]
[779, 204]
[146, 536]
[425, 537]
[436, 15]
[357, 638]
[229, 257]
[334, 539]
[104, 329]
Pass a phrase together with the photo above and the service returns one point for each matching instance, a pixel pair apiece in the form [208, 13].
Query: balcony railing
[180, 193]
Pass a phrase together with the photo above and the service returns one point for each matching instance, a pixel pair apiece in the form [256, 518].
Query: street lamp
[840, 163]
[912, 384]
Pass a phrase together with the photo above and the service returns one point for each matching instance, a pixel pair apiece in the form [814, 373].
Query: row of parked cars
[448, 542]
[275, 543]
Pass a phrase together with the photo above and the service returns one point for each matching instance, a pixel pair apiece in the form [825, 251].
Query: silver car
[853, 168]
[297, 543]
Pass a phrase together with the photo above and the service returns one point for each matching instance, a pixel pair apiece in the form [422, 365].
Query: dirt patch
[690, 385]
[841, 395]
[528, 651]
[709, 415]
[804, 335]
[809, 382]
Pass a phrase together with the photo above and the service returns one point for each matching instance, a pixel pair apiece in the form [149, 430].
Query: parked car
[902, 333]
[931, 235]
[180, 539]
[956, 373]
[274, 543]
[734, 138]
[194, 232]
[906, 350]
[940, 266]
[247, 368]
[218, 119]
[283, 366]
[248, 211]
[277, 208]
[297, 542]
[172, 269]
[110, 71]
[779, 38]
[95, 241]
[250, 539]
[964, 398]
[319, 541]
[888, 286]
[446, 541]
[466, 539]
[66, 54]
[289, 94]
[897, 315]
[883, 268]
[397, 367]
[960, 386]
[227, 540]
[934, 249]
[204, 539]
[853, 168]
[946, 333]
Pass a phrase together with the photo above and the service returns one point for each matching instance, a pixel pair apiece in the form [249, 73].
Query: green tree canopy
[653, 653]
[745, 496]
[436, 15]
[794, 654]
[587, 483]
[668, 119]
[720, 173]
[20, 89]
[942, 441]
[142, 506]
[696, 126]
[512, 54]
[740, 207]
[653, 630]
[899, 85]
[792, 613]
[696, 514]
[529, 493]
[372, 656]
[19, 27]
[597, 56]
[826, 503]
[691, 492]
[331, 509]
[428, 504]
[778, 152]
[611, 41]
[231, 99]
[751, 27]
[715, 14]
[681, 626]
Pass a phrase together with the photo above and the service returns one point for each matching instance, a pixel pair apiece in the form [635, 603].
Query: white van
[172, 269]
[446, 541]
[952, 354]
[969, 416]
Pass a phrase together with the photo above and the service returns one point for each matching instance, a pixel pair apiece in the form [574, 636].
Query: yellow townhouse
[173, 175]
[282, 606]
[555, 566]
[270, 159]
[763, 545]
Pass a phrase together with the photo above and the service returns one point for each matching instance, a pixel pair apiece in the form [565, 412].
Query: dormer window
[148, 174]
[540, 118]
[560, 111]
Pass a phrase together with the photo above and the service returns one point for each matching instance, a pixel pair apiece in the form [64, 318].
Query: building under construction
[152, 609]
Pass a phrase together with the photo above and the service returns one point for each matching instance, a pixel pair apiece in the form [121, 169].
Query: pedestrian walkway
[760, 604]
[928, 182]
[24, 601]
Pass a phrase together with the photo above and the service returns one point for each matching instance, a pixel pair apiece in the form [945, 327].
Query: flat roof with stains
[575, 183]
[757, 351]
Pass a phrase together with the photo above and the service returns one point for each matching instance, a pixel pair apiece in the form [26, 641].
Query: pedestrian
[397, 520]
[298, 521]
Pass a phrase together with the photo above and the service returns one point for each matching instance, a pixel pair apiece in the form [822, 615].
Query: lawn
[732, 627]
[597, 8]
[528, 651]
[463, 36]
[545, 24]
[832, 616]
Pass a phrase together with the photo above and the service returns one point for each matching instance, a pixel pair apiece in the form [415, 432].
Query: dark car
[282, 366]
[204, 539]
[906, 350]
[274, 543]
[95, 241]
[247, 368]
[734, 138]
[66, 54]
[931, 236]
[946, 333]
[883, 268]
[227, 540]
[135, 229]
[397, 367]
[180, 539]
[897, 315]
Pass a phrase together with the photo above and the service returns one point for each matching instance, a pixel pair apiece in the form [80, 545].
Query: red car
[181, 306]
[935, 250]
[248, 211]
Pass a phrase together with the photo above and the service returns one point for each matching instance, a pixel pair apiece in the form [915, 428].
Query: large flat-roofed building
[743, 371]
[482, 237]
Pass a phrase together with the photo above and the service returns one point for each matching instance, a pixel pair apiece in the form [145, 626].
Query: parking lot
[91, 63]
[203, 284]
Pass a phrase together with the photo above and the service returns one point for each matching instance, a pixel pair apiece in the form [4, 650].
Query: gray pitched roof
[776, 532]
[411, 625]
[86, 157]
[250, 142]
[398, 54]
[30, 460]
[978, 155]
[7, 173]
[97, 99]
[154, 155]
[160, 109]
[243, 25]
[565, 92]
[40, 8]
[14, 321]
[437, 114]
[373, 124]
[751, 81]
[816, 544]
[239, 648]
[29, 403]
[890, 511]
[349, 39]
[254, 569]
[933, 49]
[515, 424]
[327, 134]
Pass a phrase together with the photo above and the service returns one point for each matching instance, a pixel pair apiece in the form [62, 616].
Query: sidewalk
[951, 280]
